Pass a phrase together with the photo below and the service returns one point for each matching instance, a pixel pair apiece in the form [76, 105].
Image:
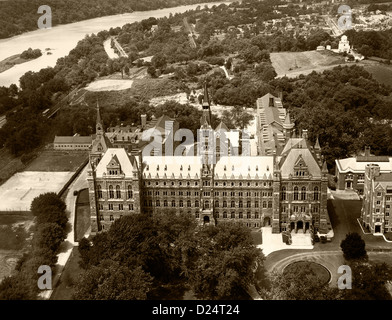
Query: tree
[49, 235]
[45, 200]
[152, 71]
[369, 282]
[112, 281]
[220, 262]
[52, 214]
[353, 247]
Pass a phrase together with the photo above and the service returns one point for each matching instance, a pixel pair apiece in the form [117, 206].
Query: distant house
[75, 142]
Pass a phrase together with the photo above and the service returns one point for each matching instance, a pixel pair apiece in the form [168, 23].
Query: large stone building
[286, 190]
[377, 200]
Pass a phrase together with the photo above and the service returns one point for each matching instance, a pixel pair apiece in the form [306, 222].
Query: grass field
[381, 72]
[145, 89]
[318, 269]
[294, 63]
[58, 161]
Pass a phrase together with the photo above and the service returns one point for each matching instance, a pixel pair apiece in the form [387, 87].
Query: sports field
[17, 192]
[292, 64]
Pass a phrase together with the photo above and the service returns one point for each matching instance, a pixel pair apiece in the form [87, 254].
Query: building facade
[377, 200]
[286, 190]
[350, 172]
[75, 142]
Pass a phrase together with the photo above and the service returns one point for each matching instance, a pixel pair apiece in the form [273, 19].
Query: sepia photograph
[193, 156]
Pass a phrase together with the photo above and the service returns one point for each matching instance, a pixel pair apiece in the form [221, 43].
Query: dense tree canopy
[353, 247]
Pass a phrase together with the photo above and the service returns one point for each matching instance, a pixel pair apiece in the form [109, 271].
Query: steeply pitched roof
[126, 162]
[292, 156]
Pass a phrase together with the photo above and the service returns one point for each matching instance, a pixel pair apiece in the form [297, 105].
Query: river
[63, 38]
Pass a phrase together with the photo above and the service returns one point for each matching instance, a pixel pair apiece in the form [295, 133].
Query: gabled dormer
[114, 167]
[300, 168]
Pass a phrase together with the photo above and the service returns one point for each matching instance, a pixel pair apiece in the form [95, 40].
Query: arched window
[224, 204]
[316, 194]
[188, 203]
[206, 204]
[165, 203]
[269, 204]
[232, 215]
[283, 193]
[233, 204]
[173, 203]
[225, 215]
[295, 193]
[111, 192]
[240, 204]
[241, 215]
[130, 192]
[100, 196]
[181, 203]
[197, 203]
[158, 203]
[216, 203]
[303, 193]
[264, 204]
[118, 192]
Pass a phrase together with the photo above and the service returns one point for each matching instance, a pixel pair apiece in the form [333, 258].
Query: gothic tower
[208, 158]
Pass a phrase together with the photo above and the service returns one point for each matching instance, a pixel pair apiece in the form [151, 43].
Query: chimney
[144, 120]
[367, 151]
[271, 101]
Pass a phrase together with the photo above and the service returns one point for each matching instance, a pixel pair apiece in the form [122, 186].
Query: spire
[324, 168]
[206, 117]
[317, 145]
[98, 126]
[206, 98]
[98, 114]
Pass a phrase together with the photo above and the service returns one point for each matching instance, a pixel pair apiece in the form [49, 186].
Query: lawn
[317, 268]
[83, 214]
[58, 161]
[305, 62]
[145, 89]
[381, 72]
[66, 286]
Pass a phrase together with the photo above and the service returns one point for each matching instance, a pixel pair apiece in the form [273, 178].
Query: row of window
[206, 203]
[233, 215]
[298, 195]
[208, 194]
[119, 206]
[208, 183]
[115, 194]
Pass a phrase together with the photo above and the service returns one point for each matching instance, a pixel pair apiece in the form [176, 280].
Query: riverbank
[8, 63]
[63, 38]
